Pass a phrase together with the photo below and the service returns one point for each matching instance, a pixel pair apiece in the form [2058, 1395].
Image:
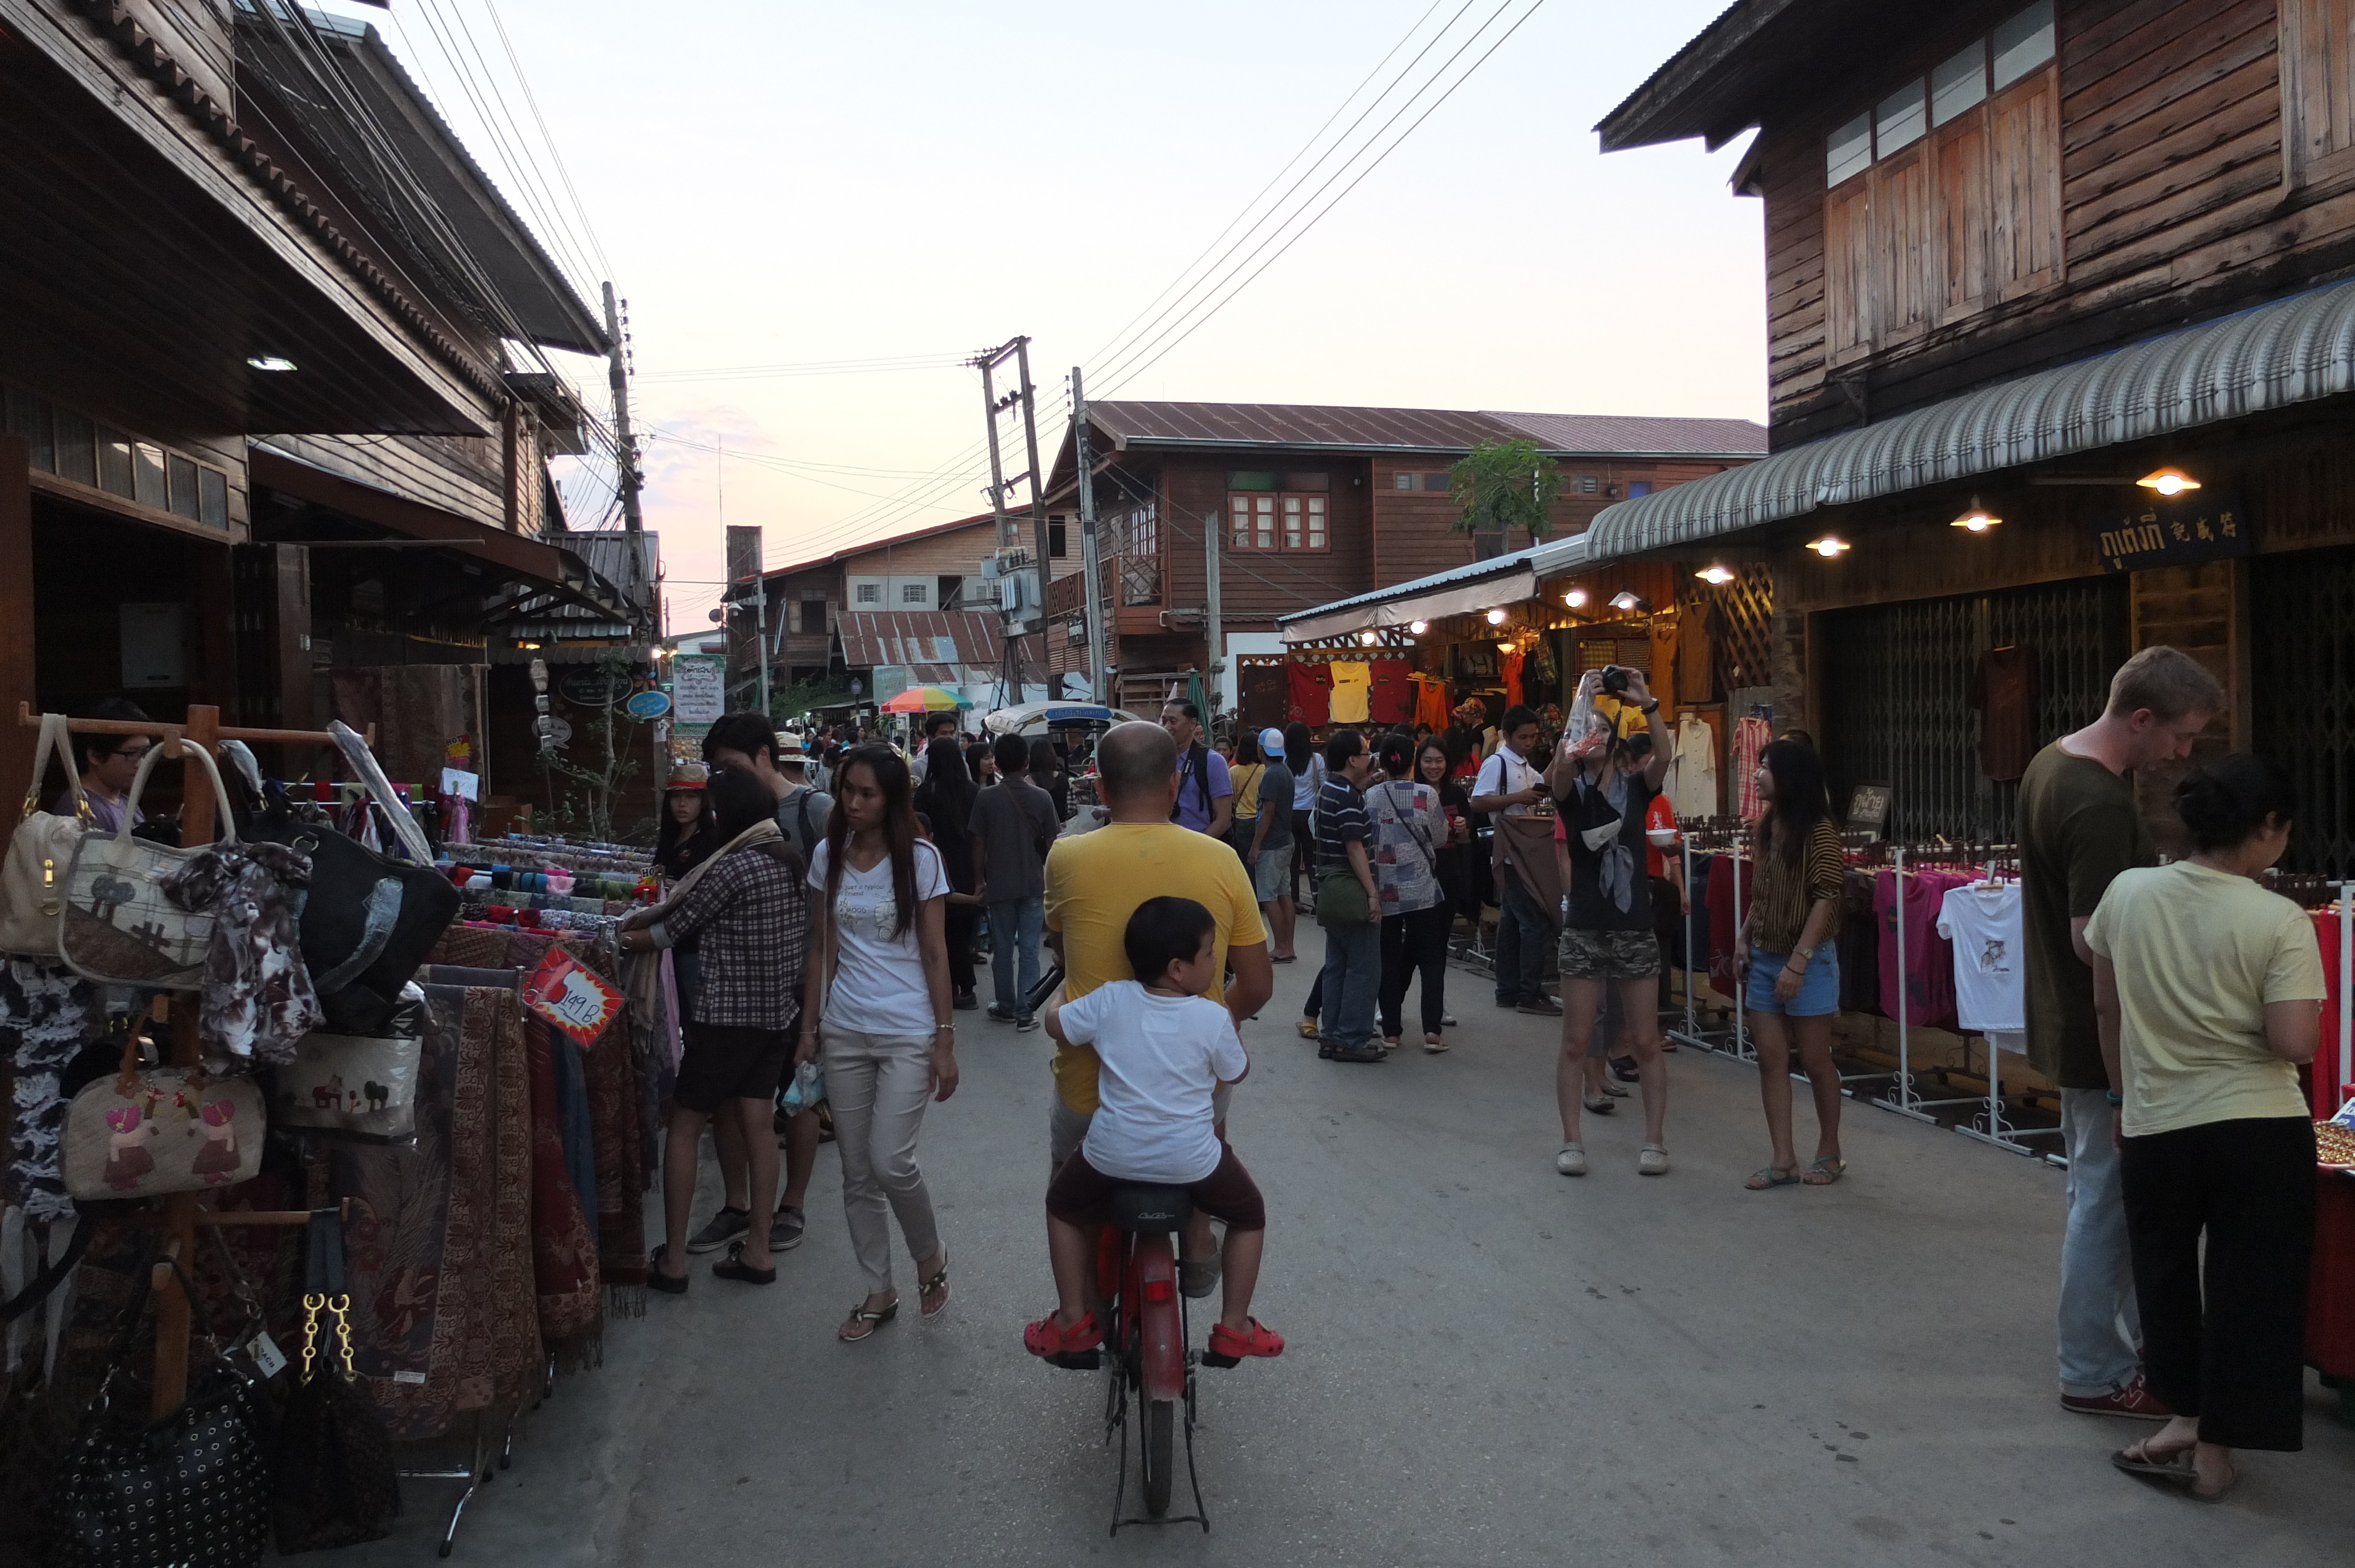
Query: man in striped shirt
[1353, 950]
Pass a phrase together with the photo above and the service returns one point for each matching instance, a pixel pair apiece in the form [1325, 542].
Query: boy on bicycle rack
[1165, 1048]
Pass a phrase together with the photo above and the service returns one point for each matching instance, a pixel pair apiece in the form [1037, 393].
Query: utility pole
[1009, 662]
[625, 458]
[1090, 561]
[1037, 506]
[1214, 641]
[1008, 534]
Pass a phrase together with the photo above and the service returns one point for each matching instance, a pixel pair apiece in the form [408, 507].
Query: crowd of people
[826, 920]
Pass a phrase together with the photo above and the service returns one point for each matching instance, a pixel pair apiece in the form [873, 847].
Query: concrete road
[1488, 1364]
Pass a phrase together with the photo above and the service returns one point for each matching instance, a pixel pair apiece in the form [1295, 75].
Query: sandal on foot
[936, 1280]
[1308, 1029]
[2175, 1466]
[658, 1280]
[1049, 1338]
[862, 1323]
[1616, 1091]
[1826, 1170]
[1599, 1107]
[735, 1268]
[1228, 1348]
[1760, 1180]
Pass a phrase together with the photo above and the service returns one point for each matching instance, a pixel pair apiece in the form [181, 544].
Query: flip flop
[1762, 1179]
[1823, 1171]
[2176, 1468]
[1600, 1107]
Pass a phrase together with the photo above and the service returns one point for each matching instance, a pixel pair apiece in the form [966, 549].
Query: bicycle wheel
[1160, 1422]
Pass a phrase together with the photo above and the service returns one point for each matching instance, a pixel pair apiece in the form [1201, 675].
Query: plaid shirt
[750, 924]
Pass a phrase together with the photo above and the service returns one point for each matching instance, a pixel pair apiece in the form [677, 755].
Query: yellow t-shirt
[1245, 779]
[1353, 687]
[1094, 883]
[2199, 953]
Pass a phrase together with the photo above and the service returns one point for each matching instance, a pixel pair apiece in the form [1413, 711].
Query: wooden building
[2019, 259]
[268, 445]
[1311, 504]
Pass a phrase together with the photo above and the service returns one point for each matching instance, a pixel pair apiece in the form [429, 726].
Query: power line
[810, 367]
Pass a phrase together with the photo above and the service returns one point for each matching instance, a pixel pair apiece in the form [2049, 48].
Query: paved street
[1488, 1364]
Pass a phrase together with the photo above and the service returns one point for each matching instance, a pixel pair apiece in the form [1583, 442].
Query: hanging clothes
[1391, 699]
[1311, 686]
[1860, 946]
[2003, 689]
[1510, 666]
[1693, 770]
[1661, 672]
[1927, 976]
[47, 1013]
[1699, 631]
[2327, 1091]
[1982, 920]
[1352, 689]
[1750, 739]
[1429, 700]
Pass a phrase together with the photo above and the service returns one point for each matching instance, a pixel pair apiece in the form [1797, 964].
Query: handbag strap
[1414, 828]
[54, 741]
[223, 816]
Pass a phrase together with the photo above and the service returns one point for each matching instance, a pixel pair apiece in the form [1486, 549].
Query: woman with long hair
[1416, 916]
[748, 915]
[1432, 767]
[944, 800]
[1789, 959]
[1048, 772]
[878, 1017]
[1300, 754]
[2205, 993]
[1244, 770]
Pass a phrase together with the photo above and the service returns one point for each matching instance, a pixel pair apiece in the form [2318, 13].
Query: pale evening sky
[776, 182]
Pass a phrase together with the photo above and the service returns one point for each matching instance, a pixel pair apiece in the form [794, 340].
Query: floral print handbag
[119, 925]
[148, 1130]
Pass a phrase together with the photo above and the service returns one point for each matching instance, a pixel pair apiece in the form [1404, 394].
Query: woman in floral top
[1410, 829]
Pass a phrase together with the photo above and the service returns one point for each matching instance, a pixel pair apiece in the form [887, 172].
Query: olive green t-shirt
[2079, 828]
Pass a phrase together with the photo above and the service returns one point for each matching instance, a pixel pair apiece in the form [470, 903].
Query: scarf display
[257, 1000]
[47, 1013]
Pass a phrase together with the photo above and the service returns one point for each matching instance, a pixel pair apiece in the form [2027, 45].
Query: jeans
[1352, 979]
[1522, 933]
[2097, 1290]
[879, 1086]
[1415, 944]
[1016, 920]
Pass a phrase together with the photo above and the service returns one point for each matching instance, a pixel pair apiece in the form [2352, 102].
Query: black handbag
[367, 923]
[333, 1481]
[190, 1491]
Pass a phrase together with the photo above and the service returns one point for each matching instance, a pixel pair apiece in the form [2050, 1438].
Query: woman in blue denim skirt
[1789, 960]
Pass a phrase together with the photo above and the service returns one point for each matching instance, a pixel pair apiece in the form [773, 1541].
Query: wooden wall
[1257, 586]
[463, 475]
[2176, 205]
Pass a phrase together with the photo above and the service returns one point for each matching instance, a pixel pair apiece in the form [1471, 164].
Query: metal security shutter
[1896, 683]
[2302, 640]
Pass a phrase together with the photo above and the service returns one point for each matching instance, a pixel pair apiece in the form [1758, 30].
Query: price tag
[267, 1355]
[417, 1377]
[571, 998]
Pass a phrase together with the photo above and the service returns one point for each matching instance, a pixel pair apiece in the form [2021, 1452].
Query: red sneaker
[1226, 1347]
[1048, 1338]
[2133, 1401]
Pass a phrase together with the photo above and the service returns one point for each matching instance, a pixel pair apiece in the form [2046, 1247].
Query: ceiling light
[1715, 576]
[1575, 598]
[2169, 481]
[1979, 519]
[1496, 617]
[1368, 639]
[1504, 647]
[526, 644]
[1626, 601]
[1417, 628]
[1830, 545]
[269, 361]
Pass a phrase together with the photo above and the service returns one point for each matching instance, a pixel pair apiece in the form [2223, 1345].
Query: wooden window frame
[1318, 540]
[2315, 174]
[1246, 503]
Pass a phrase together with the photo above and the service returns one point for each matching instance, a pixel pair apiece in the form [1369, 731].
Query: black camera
[1615, 678]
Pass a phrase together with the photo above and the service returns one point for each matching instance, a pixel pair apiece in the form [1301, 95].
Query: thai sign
[2202, 526]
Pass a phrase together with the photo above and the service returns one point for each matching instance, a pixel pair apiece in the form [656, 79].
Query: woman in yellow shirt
[2207, 990]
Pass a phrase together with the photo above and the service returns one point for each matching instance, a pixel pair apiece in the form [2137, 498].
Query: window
[1945, 196]
[1404, 481]
[813, 621]
[915, 594]
[1637, 487]
[2317, 52]
[147, 476]
[183, 474]
[867, 593]
[1057, 537]
[1304, 522]
[1584, 484]
[1251, 521]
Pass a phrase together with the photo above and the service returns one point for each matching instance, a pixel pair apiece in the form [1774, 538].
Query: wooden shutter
[1960, 152]
[2024, 176]
[1903, 259]
[1848, 267]
[2318, 80]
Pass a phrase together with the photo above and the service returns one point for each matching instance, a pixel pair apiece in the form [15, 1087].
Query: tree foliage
[1504, 485]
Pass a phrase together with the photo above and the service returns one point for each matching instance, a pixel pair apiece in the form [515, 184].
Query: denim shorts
[1818, 993]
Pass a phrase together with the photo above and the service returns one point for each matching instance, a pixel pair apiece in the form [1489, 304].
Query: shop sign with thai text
[2202, 526]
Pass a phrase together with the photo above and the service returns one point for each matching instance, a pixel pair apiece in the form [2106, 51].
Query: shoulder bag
[32, 882]
[1340, 897]
[118, 927]
[361, 1085]
[149, 1130]
[334, 1484]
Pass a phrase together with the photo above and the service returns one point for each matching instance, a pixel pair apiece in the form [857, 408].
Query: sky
[771, 183]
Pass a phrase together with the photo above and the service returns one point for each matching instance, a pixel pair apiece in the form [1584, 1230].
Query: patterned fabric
[563, 1250]
[257, 1000]
[622, 1119]
[47, 1014]
[516, 1343]
[471, 947]
[1782, 894]
[1407, 830]
[749, 923]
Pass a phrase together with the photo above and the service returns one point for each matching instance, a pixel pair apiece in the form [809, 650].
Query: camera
[1615, 678]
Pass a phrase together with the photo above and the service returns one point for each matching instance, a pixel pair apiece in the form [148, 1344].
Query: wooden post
[172, 1308]
[17, 642]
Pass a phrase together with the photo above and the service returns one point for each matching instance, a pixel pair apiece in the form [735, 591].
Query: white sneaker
[1572, 1161]
[1653, 1161]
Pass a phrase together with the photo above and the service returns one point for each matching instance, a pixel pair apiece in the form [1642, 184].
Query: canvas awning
[2290, 351]
[1460, 590]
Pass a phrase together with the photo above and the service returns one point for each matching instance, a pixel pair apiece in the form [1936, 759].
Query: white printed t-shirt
[1162, 1057]
[1983, 921]
[879, 987]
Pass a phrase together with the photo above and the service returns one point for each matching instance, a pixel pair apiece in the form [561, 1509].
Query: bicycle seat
[1138, 1207]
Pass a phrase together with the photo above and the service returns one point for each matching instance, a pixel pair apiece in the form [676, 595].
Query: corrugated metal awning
[2290, 351]
[1460, 590]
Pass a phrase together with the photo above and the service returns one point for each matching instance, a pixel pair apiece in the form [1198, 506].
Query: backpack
[1197, 765]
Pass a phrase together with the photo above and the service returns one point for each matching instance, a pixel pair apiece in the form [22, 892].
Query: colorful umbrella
[926, 700]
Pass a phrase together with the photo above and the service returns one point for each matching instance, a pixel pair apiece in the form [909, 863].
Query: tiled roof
[1417, 429]
[1631, 433]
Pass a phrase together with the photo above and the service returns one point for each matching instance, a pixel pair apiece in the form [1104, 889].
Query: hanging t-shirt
[1693, 773]
[1750, 739]
[1429, 700]
[1311, 691]
[2329, 1093]
[1983, 921]
[879, 987]
[1510, 666]
[1391, 698]
[2003, 689]
[1352, 691]
[1698, 630]
[1926, 980]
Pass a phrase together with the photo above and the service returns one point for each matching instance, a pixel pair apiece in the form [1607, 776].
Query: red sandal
[1048, 1338]
[1228, 1348]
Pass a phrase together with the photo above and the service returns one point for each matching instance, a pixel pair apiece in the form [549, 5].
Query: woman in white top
[877, 1008]
[2206, 992]
[1301, 755]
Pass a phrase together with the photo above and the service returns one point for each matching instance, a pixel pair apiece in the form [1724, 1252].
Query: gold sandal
[938, 1281]
[865, 1321]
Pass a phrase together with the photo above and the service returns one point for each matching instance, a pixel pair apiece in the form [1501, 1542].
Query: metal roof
[1298, 425]
[918, 639]
[2290, 351]
[1641, 435]
[1483, 585]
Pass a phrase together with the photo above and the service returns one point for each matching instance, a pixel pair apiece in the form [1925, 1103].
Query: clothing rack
[1729, 836]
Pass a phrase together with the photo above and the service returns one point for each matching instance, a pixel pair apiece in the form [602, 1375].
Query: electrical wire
[810, 367]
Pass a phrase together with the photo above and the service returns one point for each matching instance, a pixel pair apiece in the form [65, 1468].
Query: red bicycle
[1146, 1329]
